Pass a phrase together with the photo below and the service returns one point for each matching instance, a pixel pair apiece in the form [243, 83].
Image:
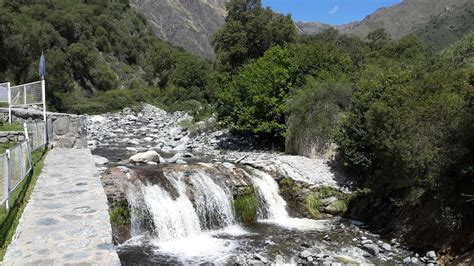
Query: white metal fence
[26, 94]
[4, 92]
[16, 163]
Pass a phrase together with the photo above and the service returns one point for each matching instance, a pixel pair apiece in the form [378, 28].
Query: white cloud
[333, 10]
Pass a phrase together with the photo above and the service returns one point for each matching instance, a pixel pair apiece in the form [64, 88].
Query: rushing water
[188, 218]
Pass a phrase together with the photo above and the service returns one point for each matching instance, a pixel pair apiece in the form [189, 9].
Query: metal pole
[24, 95]
[7, 179]
[43, 92]
[9, 103]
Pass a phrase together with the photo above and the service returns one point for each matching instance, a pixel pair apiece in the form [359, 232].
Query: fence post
[24, 95]
[9, 103]
[7, 179]
[28, 146]
[43, 94]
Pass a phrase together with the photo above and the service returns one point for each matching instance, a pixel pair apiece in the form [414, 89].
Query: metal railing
[5, 92]
[16, 163]
[24, 95]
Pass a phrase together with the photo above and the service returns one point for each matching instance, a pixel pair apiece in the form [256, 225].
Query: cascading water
[187, 205]
[213, 202]
[175, 216]
[272, 207]
[271, 204]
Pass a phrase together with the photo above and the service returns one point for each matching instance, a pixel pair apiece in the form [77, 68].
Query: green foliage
[90, 48]
[248, 32]
[245, 205]
[14, 126]
[312, 204]
[120, 214]
[254, 99]
[314, 114]
[461, 52]
[406, 129]
[338, 206]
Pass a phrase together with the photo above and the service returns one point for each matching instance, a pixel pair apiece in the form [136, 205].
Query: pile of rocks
[151, 128]
[11, 136]
[429, 259]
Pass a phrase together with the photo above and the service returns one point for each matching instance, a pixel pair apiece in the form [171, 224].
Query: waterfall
[213, 202]
[181, 205]
[272, 205]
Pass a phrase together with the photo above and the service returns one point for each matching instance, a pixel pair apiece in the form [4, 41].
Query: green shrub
[120, 214]
[245, 206]
[312, 204]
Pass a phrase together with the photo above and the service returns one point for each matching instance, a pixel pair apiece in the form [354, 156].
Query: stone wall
[64, 130]
[11, 136]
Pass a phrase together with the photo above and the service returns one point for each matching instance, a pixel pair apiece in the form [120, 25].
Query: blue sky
[334, 12]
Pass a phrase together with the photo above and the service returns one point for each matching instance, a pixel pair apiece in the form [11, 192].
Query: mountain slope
[186, 23]
[439, 22]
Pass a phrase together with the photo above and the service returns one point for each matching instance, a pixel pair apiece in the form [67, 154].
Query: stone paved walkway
[66, 220]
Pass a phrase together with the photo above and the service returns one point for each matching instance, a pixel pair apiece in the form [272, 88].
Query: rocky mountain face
[410, 16]
[189, 24]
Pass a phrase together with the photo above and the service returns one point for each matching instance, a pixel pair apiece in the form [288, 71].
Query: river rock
[261, 258]
[387, 247]
[305, 254]
[372, 249]
[407, 260]
[99, 160]
[145, 157]
[431, 254]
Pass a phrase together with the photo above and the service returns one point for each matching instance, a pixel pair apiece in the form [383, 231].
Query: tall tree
[248, 32]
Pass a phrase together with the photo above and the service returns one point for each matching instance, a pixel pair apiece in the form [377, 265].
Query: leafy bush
[245, 206]
[314, 114]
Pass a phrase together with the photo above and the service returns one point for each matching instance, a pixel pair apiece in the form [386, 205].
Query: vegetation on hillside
[100, 56]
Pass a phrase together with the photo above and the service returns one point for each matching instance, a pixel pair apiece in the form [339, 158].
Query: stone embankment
[11, 136]
[66, 220]
[65, 130]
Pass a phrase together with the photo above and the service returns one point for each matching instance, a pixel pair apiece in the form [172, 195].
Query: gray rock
[99, 160]
[261, 258]
[407, 260]
[387, 247]
[145, 157]
[309, 259]
[431, 254]
[372, 249]
[305, 253]
[124, 169]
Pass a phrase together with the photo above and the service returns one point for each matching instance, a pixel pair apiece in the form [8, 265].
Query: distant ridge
[410, 16]
[189, 24]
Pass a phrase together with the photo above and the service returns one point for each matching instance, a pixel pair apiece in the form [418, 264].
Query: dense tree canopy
[248, 32]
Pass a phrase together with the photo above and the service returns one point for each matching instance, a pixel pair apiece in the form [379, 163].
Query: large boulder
[145, 157]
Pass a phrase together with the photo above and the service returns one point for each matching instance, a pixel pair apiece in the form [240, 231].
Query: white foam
[301, 224]
[202, 247]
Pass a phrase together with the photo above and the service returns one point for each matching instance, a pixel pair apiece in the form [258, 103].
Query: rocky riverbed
[151, 147]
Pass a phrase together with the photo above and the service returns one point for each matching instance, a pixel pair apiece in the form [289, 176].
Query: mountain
[432, 20]
[189, 24]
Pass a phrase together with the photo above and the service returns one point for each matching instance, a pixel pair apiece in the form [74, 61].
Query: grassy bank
[19, 199]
